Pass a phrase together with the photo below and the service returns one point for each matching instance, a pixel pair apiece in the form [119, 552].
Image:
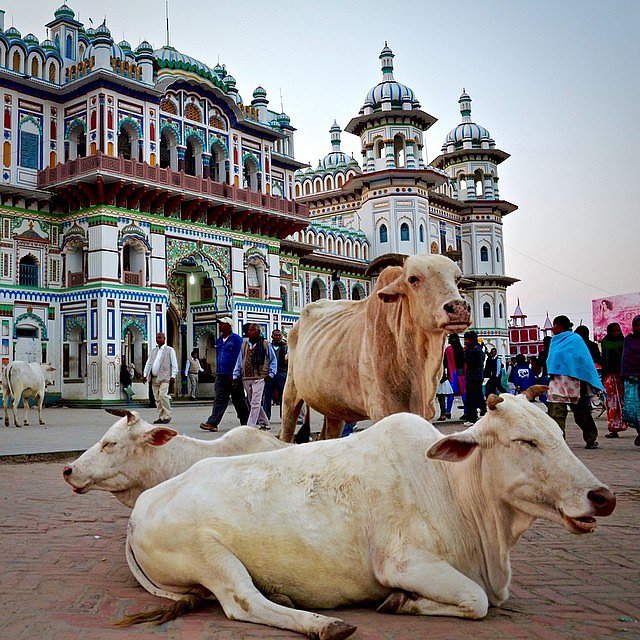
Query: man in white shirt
[162, 368]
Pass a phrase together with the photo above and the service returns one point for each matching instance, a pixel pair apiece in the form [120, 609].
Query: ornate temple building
[140, 193]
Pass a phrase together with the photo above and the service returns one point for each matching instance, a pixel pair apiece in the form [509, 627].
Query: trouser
[475, 400]
[446, 403]
[581, 414]
[193, 384]
[161, 396]
[152, 400]
[224, 387]
[277, 383]
[254, 390]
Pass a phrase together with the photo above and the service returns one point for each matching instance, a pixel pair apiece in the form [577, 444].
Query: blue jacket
[227, 354]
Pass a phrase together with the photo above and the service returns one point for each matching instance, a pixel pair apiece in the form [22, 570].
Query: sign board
[621, 309]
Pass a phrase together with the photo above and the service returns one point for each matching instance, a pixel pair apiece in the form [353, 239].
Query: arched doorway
[168, 150]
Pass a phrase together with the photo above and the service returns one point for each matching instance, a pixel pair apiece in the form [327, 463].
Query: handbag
[445, 389]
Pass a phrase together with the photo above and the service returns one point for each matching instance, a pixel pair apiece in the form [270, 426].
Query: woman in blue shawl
[572, 375]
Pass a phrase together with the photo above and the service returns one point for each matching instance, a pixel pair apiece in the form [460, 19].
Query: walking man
[474, 359]
[572, 374]
[161, 368]
[256, 363]
[228, 347]
[191, 370]
[280, 349]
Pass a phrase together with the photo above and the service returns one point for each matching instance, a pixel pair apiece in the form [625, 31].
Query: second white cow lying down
[397, 514]
[133, 455]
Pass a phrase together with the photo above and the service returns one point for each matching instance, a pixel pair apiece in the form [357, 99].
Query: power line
[562, 273]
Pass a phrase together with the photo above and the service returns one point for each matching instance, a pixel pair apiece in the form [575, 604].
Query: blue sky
[556, 84]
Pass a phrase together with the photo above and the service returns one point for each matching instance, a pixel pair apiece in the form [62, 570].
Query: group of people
[567, 364]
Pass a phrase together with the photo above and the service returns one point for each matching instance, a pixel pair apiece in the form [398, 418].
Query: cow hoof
[337, 631]
[41, 421]
[393, 602]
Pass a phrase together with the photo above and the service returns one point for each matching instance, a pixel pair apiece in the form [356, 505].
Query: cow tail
[8, 371]
[164, 614]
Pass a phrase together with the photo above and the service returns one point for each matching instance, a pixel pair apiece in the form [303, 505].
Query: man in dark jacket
[493, 371]
[474, 371]
[228, 347]
[281, 350]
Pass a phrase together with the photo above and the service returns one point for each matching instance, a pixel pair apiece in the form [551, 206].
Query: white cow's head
[528, 465]
[47, 373]
[429, 284]
[119, 461]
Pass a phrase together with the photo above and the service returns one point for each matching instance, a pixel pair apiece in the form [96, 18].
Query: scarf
[258, 352]
[631, 356]
[569, 356]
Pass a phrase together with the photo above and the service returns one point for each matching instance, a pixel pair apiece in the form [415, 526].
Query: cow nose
[449, 308]
[67, 471]
[603, 500]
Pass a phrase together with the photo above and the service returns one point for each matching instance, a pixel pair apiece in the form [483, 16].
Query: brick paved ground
[63, 575]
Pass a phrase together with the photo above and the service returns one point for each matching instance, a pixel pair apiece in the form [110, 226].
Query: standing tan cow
[353, 360]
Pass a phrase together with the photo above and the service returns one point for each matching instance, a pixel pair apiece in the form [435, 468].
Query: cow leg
[331, 428]
[431, 587]
[26, 405]
[14, 402]
[229, 581]
[40, 404]
[291, 404]
[5, 404]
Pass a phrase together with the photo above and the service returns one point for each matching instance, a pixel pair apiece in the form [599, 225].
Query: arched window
[168, 150]
[384, 234]
[330, 244]
[478, 179]
[318, 290]
[404, 232]
[53, 76]
[35, 67]
[297, 190]
[124, 144]
[356, 250]
[337, 292]
[486, 310]
[500, 309]
[17, 61]
[462, 182]
[250, 178]
[339, 181]
[284, 297]
[28, 272]
[307, 188]
[218, 170]
[380, 149]
[77, 142]
[399, 151]
[484, 254]
[192, 112]
[254, 289]
[69, 48]
[421, 233]
[497, 254]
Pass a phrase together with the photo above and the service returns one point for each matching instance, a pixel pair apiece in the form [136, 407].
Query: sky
[555, 82]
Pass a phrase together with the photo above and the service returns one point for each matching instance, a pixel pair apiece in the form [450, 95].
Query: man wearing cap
[572, 374]
[228, 347]
[161, 368]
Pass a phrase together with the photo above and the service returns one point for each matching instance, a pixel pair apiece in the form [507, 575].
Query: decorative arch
[339, 286]
[138, 321]
[358, 292]
[130, 121]
[220, 144]
[26, 119]
[32, 318]
[434, 247]
[192, 132]
[317, 289]
[72, 125]
[72, 321]
[173, 128]
[247, 156]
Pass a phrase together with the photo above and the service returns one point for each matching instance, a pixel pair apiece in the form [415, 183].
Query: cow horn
[121, 413]
[534, 391]
[493, 401]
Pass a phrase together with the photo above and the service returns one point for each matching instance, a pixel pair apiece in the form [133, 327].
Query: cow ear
[454, 448]
[159, 436]
[392, 291]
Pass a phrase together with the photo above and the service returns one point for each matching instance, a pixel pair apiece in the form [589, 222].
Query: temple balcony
[101, 179]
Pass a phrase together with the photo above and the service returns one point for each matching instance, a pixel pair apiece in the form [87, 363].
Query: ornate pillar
[206, 165]
[410, 157]
[390, 161]
[471, 187]
[181, 153]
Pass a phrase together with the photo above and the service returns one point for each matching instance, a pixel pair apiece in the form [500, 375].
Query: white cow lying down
[133, 455]
[396, 513]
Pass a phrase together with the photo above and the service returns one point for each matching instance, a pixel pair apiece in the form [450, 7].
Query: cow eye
[413, 279]
[529, 443]
[108, 445]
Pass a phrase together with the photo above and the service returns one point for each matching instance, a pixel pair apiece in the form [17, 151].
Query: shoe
[264, 428]
[208, 427]
[193, 398]
[468, 424]
[158, 421]
[442, 418]
[592, 445]
[447, 416]
[637, 440]
[612, 434]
